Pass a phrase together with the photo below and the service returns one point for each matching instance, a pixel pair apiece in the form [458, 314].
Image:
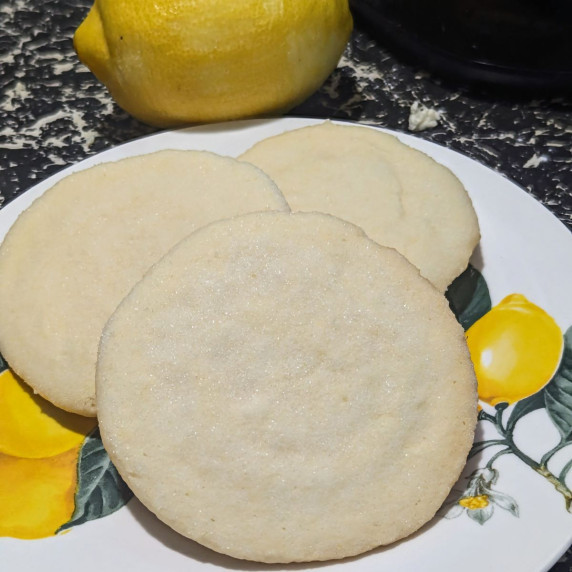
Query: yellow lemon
[170, 62]
[36, 495]
[31, 427]
[515, 348]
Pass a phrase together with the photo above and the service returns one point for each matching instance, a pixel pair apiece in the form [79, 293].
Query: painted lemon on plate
[171, 62]
[39, 449]
[33, 428]
[37, 495]
[516, 348]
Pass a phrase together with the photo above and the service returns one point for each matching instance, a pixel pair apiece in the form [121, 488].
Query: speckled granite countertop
[54, 113]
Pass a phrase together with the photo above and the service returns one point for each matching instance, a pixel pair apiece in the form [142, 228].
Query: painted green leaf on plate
[558, 392]
[101, 490]
[469, 297]
[524, 407]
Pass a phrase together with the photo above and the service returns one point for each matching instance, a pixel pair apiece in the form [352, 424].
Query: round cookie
[398, 195]
[76, 252]
[281, 388]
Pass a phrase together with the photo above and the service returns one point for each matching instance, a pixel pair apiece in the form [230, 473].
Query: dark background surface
[54, 113]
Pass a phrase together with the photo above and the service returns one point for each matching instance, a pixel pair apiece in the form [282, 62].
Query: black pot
[518, 43]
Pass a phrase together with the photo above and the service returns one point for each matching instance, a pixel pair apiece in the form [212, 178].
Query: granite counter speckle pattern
[54, 113]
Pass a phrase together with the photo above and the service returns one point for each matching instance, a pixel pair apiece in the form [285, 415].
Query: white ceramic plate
[524, 249]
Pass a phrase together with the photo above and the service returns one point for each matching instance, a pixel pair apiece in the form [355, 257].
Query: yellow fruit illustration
[516, 348]
[33, 428]
[36, 495]
[170, 62]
